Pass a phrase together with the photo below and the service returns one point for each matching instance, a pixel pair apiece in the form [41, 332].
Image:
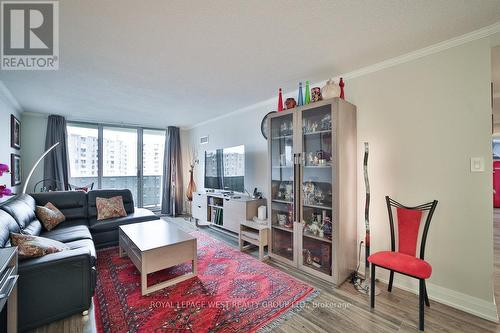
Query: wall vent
[204, 140]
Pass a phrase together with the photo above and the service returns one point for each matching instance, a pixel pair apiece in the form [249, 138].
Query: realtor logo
[30, 35]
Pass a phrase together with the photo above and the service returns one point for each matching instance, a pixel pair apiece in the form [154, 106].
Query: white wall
[424, 119]
[34, 128]
[7, 107]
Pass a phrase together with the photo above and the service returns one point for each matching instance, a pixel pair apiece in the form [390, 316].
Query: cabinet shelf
[282, 228]
[282, 201]
[319, 132]
[311, 235]
[318, 207]
[215, 206]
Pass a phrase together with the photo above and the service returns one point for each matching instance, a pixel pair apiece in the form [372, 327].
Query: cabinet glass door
[316, 179]
[282, 186]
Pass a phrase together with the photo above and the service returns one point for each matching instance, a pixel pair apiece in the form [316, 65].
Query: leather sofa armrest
[55, 259]
[54, 286]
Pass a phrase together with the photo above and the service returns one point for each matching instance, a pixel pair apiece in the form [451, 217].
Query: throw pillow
[29, 246]
[109, 208]
[49, 215]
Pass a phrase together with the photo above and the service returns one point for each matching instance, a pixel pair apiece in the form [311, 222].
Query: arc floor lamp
[35, 165]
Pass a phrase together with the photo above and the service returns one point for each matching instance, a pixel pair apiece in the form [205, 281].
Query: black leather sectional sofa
[61, 284]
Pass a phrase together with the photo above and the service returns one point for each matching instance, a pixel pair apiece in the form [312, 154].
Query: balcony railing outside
[151, 189]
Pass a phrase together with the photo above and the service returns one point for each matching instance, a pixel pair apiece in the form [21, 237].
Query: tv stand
[223, 211]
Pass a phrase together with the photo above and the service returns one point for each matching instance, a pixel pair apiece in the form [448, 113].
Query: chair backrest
[409, 220]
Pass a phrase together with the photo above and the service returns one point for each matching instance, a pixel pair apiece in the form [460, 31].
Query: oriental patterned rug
[233, 292]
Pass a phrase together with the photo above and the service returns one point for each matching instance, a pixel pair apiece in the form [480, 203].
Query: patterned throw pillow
[33, 246]
[49, 215]
[109, 208]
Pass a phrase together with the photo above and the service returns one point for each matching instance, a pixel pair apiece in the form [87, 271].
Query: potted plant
[4, 190]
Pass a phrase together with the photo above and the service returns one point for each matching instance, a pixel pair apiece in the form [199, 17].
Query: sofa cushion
[68, 234]
[22, 208]
[128, 200]
[85, 243]
[110, 208]
[34, 228]
[72, 204]
[7, 225]
[34, 246]
[49, 215]
[139, 215]
[72, 223]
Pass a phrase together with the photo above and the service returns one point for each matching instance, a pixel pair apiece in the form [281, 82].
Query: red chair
[405, 261]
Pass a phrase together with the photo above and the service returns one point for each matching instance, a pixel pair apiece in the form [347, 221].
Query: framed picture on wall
[15, 167]
[15, 132]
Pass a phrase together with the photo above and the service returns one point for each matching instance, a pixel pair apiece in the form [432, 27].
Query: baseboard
[470, 304]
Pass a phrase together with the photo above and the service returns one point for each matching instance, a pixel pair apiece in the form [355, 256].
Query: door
[282, 164]
[317, 167]
[153, 147]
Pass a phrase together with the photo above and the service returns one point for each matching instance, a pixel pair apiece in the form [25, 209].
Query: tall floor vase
[191, 187]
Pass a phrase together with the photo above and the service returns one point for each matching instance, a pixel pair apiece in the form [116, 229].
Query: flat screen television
[225, 169]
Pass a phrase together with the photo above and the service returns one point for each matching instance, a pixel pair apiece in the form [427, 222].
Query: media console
[224, 211]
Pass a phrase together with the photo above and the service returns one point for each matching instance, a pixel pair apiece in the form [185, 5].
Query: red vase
[341, 85]
[280, 101]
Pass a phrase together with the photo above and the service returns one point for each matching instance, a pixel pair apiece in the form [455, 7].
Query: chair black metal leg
[421, 297]
[372, 286]
[391, 278]
[426, 296]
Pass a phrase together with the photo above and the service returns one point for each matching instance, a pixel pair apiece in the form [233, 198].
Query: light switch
[476, 164]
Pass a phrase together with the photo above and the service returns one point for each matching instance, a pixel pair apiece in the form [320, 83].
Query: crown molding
[435, 48]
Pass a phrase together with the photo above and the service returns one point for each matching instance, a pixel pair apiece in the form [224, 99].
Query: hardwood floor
[344, 309]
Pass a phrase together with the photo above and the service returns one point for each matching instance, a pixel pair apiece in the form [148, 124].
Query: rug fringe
[288, 314]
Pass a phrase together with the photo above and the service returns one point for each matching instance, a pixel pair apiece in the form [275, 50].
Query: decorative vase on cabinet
[330, 90]
[312, 152]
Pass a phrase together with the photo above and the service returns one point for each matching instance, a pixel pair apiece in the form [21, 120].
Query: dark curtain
[55, 170]
[171, 203]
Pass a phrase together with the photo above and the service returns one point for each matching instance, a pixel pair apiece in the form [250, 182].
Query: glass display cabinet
[312, 162]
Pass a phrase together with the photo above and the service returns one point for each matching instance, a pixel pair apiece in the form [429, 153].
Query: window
[121, 167]
[82, 138]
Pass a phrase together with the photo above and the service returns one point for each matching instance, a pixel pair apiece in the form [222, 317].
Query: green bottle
[308, 94]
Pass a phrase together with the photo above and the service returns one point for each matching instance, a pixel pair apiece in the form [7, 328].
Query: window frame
[100, 147]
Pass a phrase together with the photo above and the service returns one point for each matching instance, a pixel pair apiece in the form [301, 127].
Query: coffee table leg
[195, 258]
[144, 279]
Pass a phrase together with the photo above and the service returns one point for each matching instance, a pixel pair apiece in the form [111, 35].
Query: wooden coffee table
[156, 245]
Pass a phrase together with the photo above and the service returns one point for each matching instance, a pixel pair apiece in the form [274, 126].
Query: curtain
[171, 203]
[55, 170]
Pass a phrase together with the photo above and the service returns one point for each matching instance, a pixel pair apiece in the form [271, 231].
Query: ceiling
[160, 63]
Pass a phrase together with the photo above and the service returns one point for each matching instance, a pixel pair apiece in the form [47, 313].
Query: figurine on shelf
[307, 99]
[327, 227]
[290, 103]
[326, 123]
[309, 193]
[316, 94]
[300, 98]
[280, 101]
[289, 221]
[342, 84]
[307, 257]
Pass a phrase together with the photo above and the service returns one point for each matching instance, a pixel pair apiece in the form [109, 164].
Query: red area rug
[233, 292]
